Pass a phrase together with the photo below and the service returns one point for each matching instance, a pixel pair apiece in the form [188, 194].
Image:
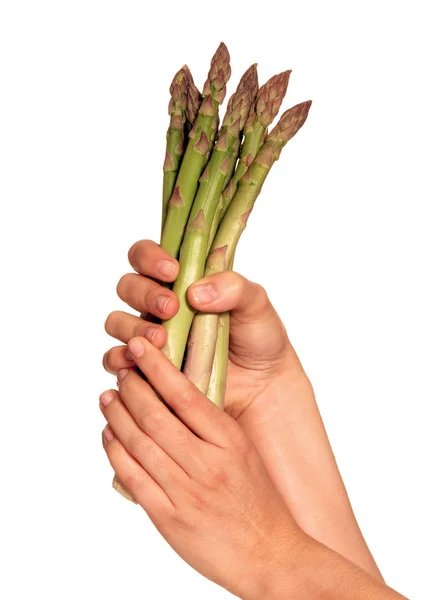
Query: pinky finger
[117, 358]
[143, 488]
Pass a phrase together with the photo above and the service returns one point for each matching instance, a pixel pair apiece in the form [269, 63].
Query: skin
[262, 465]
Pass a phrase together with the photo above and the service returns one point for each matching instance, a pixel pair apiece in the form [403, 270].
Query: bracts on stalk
[210, 183]
[195, 241]
[205, 326]
[196, 154]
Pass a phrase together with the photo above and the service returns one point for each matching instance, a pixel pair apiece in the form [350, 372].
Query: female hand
[195, 473]
[259, 349]
[267, 393]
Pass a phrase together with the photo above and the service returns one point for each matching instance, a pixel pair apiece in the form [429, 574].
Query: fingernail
[166, 268]
[122, 373]
[204, 293]
[128, 355]
[162, 303]
[136, 347]
[108, 434]
[106, 398]
[150, 333]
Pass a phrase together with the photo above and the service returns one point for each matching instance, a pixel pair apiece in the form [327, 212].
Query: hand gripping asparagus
[196, 154]
[195, 241]
[222, 254]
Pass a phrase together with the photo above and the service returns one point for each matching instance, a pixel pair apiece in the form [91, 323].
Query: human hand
[259, 350]
[267, 393]
[195, 473]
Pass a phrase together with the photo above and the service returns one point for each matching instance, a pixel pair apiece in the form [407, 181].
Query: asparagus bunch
[197, 233]
[209, 327]
[212, 178]
[201, 139]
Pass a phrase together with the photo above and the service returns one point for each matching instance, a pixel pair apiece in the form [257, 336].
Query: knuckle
[196, 498]
[149, 419]
[260, 293]
[132, 482]
[139, 253]
[157, 418]
[136, 329]
[237, 281]
[149, 297]
[188, 399]
[214, 476]
[137, 442]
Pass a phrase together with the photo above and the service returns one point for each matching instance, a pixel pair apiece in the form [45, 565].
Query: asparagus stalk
[186, 92]
[203, 334]
[215, 222]
[177, 109]
[205, 330]
[194, 99]
[217, 386]
[266, 107]
[196, 154]
[194, 245]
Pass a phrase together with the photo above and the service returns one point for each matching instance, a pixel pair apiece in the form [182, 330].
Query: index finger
[194, 409]
[149, 259]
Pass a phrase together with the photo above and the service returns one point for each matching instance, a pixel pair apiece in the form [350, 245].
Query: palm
[256, 352]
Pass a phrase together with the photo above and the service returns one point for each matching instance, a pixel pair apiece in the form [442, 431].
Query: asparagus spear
[194, 245]
[217, 386]
[203, 334]
[267, 104]
[204, 331]
[196, 154]
[186, 96]
[194, 99]
[175, 136]
[250, 78]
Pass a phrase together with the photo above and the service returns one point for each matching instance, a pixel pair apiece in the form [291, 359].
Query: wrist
[307, 570]
[280, 567]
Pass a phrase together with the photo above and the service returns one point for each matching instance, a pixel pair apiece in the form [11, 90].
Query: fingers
[161, 468]
[123, 326]
[148, 258]
[154, 418]
[133, 476]
[229, 291]
[146, 295]
[117, 358]
[199, 414]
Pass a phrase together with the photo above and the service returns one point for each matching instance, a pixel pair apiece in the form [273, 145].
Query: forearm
[311, 571]
[287, 429]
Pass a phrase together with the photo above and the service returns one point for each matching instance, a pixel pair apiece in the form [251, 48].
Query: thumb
[257, 335]
[229, 291]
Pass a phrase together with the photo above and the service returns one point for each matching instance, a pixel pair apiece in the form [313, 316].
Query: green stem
[217, 386]
[223, 249]
[196, 155]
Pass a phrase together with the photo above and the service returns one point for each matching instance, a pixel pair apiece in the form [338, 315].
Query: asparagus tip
[270, 96]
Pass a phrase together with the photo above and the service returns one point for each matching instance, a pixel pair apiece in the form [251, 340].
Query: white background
[349, 238]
